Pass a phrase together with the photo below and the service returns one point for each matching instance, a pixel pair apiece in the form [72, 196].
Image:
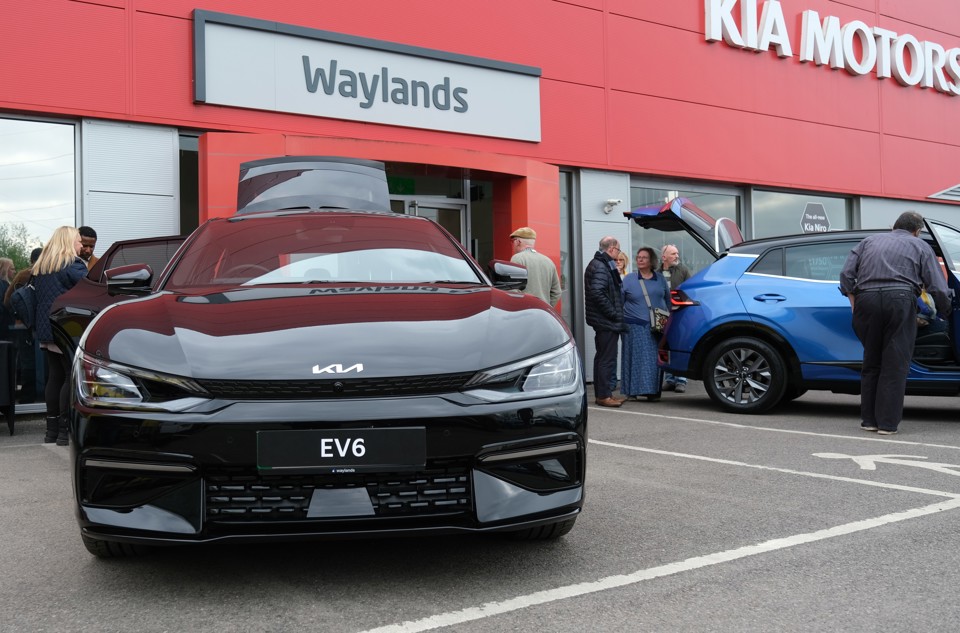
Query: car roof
[758, 246]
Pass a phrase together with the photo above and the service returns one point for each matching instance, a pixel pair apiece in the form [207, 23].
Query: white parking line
[861, 436]
[730, 462]
[489, 609]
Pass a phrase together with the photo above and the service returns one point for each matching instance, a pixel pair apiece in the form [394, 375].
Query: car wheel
[543, 532]
[110, 549]
[792, 393]
[745, 375]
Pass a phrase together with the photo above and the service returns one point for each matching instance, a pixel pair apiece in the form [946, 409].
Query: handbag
[658, 316]
[23, 303]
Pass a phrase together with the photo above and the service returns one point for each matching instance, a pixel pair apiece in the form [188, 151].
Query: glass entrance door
[450, 215]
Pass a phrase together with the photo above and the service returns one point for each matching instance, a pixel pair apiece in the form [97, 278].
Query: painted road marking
[860, 436]
[869, 462]
[490, 609]
[789, 471]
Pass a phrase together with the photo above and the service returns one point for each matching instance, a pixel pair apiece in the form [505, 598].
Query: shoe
[620, 399]
[885, 432]
[653, 398]
[609, 402]
[53, 429]
[680, 388]
[868, 427]
[63, 435]
[670, 386]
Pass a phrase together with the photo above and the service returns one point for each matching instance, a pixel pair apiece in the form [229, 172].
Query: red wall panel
[627, 84]
[652, 59]
[725, 144]
[935, 14]
[911, 166]
[63, 55]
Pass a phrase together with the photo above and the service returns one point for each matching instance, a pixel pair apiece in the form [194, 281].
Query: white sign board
[262, 65]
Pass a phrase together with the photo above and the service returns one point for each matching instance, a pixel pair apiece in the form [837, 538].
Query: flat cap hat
[525, 232]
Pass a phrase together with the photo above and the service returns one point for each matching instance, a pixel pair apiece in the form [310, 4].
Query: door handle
[769, 298]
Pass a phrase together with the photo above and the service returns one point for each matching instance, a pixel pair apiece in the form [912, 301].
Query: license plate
[342, 451]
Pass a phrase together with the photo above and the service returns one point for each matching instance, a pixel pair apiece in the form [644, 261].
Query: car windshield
[320, 247]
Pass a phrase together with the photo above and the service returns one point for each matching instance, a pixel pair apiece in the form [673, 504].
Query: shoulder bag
[658, 316]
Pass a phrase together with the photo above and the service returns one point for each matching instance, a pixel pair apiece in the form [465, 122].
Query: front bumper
[194, 477]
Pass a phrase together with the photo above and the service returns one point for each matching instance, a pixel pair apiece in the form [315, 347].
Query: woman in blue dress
[640, 374]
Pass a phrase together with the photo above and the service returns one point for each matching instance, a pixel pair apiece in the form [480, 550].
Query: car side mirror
[507, 275]
[132, 279]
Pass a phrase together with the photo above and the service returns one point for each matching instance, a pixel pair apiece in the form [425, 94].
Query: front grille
[253, 498]
[344, 388]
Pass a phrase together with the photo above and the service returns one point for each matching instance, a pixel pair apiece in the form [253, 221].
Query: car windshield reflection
[385, 265]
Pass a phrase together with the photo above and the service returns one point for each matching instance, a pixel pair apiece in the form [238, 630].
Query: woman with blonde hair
[623, 264]
[57, 270]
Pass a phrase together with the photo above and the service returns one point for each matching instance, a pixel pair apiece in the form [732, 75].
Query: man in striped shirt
[882, 278]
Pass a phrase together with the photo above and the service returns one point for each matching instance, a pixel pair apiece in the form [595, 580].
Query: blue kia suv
[766, 322]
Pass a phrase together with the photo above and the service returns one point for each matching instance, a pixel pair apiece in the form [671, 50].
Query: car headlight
[551, 374]
[104, 384]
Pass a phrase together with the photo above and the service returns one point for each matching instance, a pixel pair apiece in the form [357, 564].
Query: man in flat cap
[542, 278]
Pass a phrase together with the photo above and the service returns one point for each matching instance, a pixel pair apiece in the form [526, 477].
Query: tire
[110, 549]
[745, 375]
[792, 393]
[543, 532]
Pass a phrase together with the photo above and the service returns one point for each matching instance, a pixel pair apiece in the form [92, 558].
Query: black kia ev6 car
[317, 366]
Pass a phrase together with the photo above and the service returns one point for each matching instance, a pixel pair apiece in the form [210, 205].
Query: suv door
[794, 290]
[947, 238]
[72, 311]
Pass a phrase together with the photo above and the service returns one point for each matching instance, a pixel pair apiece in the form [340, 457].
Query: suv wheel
[745, 375]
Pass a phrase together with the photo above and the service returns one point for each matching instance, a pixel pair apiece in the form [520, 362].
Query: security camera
[610, 204]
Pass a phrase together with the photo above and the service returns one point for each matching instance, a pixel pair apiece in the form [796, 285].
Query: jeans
[670, 379]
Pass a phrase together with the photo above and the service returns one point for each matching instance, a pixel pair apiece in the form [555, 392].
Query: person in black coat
[603, 301]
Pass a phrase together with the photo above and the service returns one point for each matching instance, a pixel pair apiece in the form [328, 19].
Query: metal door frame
[412, 204]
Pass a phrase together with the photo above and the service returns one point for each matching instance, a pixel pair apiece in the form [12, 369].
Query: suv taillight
[679, 299]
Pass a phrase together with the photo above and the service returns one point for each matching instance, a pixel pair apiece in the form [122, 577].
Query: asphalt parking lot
[695, 520]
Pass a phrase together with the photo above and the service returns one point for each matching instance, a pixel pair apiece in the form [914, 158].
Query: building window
[779, 213]
[38, 193]
[38, 190]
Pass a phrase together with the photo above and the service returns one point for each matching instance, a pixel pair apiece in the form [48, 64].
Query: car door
[946, 240]
[794, 290]
[72, 311]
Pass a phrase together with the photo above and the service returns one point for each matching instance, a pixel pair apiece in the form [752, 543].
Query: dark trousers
[605, 362]
[886, 323]
[56, 393]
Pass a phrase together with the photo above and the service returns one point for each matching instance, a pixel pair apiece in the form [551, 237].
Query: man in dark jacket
[603, 299]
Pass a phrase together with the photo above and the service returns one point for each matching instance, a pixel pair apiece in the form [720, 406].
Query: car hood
[277, 333]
